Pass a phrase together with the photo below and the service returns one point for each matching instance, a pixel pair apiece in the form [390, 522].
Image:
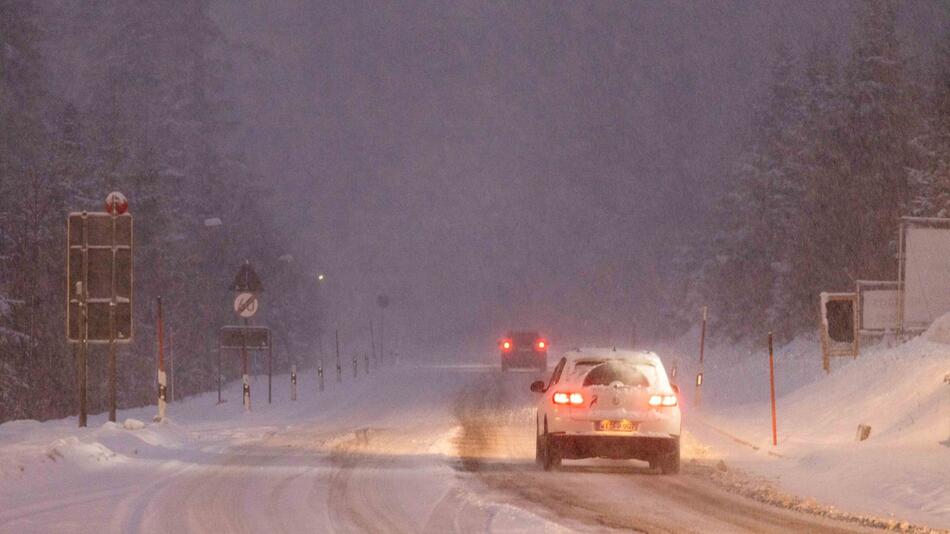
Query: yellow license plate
[618, 426]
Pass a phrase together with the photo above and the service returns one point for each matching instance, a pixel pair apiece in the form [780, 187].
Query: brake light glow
[541, 344]
[662, 400]
[506, 345]
[575, 399]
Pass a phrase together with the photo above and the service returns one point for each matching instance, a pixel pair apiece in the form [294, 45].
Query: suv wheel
[539, 457]
[670, 462]
[546, 453]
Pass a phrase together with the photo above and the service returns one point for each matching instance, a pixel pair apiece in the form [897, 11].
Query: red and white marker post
[162, 381]
[702, 352]
[772, 388]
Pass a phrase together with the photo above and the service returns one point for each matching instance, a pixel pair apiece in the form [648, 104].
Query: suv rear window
[615, 371]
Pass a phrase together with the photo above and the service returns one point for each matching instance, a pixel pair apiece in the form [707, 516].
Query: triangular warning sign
[246, 280]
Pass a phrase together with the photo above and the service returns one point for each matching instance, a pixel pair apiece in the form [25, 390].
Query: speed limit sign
[245, 304]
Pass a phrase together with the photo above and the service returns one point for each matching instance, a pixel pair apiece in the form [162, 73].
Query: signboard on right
[877, 307]
[924, 272]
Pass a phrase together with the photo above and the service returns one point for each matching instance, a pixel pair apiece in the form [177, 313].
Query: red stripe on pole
[772, 387]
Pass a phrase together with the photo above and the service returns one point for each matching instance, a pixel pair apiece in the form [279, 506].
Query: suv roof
[610, 353]
[523, 334]
[581, 360]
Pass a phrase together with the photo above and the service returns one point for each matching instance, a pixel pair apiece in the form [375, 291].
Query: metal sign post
[248, 285]
[246, 338]
[270, 359]
[83, 345]
[244, 376]
[339, 368]
[99, 288]
[383, 302]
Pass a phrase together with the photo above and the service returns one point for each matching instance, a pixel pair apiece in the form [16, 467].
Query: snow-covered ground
[901, 471]
[286, 465]
[436, 448]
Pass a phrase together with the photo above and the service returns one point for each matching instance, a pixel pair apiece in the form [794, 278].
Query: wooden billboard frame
[829, 347]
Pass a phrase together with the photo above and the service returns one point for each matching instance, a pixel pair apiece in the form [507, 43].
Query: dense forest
[119, 96]
[841, 145]
[140, 98]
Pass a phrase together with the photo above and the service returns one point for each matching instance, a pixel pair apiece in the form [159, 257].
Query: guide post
[372, 340]
[702, 365]
[293, 382]
[772, 390]
[162, 383]
[383, 302]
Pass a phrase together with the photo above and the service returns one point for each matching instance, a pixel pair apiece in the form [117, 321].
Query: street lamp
[212, 223]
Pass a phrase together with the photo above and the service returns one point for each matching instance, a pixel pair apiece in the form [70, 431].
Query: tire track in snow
[598, 494]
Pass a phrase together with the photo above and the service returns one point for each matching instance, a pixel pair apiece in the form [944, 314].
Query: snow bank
[939, 331]
[903, 469]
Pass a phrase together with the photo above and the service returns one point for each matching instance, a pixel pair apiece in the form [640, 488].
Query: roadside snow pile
[29, 447]
[902, 469]
[133, 424]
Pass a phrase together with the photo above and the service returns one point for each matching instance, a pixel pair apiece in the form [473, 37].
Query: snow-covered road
[411, 449]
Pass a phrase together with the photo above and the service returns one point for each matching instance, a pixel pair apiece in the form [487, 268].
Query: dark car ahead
[525, 350]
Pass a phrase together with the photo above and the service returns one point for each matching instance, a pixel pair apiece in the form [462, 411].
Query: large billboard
[924, 271]
[99, 267]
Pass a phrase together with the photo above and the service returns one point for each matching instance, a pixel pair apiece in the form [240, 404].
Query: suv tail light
[562, 397]
[662, 400]
[541, 344]
[506, 344]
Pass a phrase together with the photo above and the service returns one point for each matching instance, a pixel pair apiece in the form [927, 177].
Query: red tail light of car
[506, 344]
[574, 399]
[542, 344]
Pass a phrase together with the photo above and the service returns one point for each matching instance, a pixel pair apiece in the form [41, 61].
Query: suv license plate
[618, 426]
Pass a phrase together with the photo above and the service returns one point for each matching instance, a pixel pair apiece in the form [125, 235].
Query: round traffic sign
[117, 203]
[245, 304]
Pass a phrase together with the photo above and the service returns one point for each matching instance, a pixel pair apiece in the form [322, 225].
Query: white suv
[605, 403]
